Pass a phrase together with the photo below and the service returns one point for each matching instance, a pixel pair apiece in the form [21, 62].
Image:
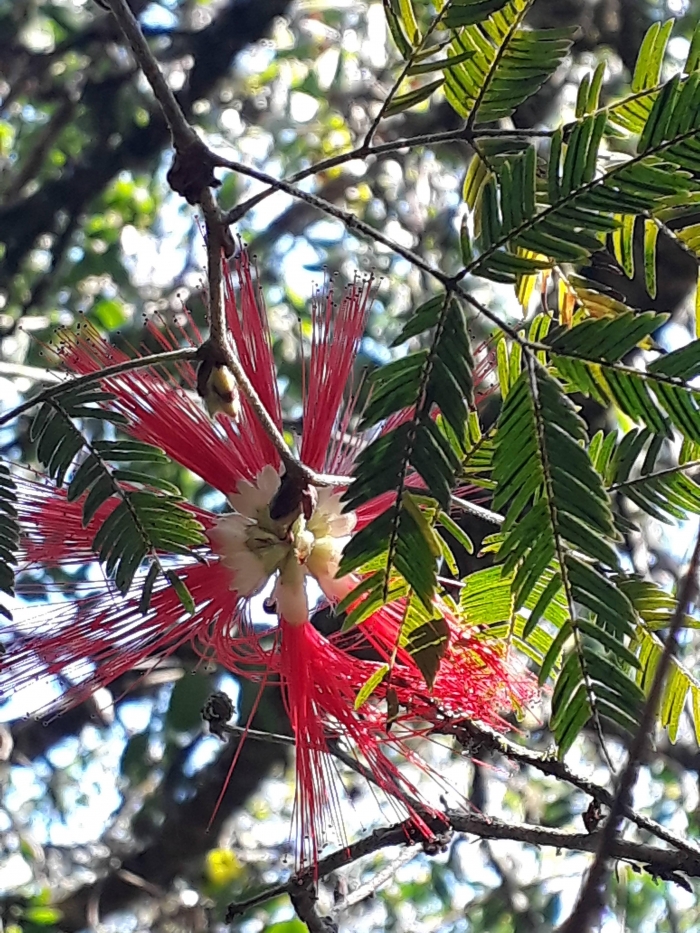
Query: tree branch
[476, 739]
[657, 860]
[191, 175]
[302, 894]
[182, 133]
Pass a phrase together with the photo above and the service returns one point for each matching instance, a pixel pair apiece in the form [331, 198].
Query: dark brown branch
[303, 897]
[656, 859]
[191, 175]
[477, 739]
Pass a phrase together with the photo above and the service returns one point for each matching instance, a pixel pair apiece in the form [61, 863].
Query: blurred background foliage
[107, 819]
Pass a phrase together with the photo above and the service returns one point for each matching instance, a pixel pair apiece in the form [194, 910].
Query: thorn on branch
[593, 816]
[217, 713]
[192, 171]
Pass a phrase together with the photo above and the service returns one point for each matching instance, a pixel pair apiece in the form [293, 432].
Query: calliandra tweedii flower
[273, 530]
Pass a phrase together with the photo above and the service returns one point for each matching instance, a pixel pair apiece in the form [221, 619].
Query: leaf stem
[402, 74]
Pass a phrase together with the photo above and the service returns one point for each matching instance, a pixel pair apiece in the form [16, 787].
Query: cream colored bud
[222, 393]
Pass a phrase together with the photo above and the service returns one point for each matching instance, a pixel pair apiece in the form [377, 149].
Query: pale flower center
[254, 546]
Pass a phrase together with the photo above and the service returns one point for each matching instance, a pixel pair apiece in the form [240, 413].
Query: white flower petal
[251, 497]
[268, 481]
[249, 574]
[230, 532]
[328, 517]
[328, 500]
[342, 526]
[289, 593]
[334, 588]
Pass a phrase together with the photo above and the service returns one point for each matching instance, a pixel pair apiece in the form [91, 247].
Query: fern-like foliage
[630, 467]
[509, 63]
[656, 608]
[522, 224]
[140, 516]
[414, 445]
[486, 62]
[487, 599]
[559, 516]
[661, 397]
[9, 535]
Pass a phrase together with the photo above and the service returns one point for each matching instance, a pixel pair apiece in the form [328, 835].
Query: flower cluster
[266, 538]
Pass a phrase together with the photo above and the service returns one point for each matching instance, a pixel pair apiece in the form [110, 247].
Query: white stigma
[254, 547]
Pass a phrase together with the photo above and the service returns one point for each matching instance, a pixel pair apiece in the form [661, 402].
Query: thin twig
[360, 152]
[259, 735]
[369, 888]
[184, 137]
[476, 740]
[182, 133]
[591, 899]
[495, 518]
[218, 329]
[155, 359]
[459, 135]
[334, 747]
[451, 283]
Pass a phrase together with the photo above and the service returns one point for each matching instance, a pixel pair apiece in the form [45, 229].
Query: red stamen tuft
[319, 684]
[336, 333]
[92, 641]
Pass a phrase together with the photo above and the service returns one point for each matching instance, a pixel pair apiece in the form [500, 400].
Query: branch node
[302, 894]
[192, 170]
[217, 713]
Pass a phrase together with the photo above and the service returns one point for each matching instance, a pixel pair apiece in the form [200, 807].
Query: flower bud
[217, 386]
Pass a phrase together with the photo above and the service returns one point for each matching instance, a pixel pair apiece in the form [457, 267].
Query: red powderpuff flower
[95, 639]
